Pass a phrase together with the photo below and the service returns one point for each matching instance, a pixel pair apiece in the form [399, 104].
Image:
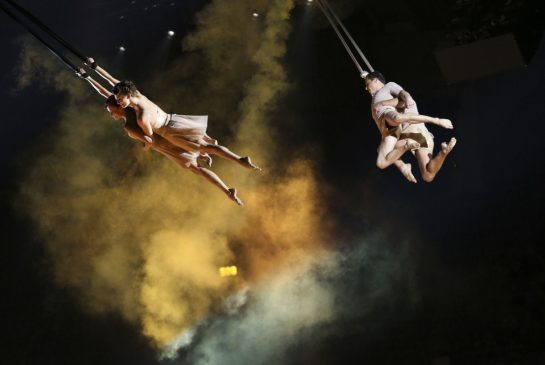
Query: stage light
[170, 33]
[228, 271]
[122, 49]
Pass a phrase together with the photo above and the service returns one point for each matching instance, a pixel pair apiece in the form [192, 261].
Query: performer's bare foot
[406, 171]
[248, 163]
[233, 196]
[445, 123]
[447, 148]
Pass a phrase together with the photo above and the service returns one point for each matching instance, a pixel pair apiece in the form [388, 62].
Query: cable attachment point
[91, 63]
[81, 73]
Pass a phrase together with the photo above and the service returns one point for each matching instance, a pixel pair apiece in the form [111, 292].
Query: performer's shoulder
[393, 84]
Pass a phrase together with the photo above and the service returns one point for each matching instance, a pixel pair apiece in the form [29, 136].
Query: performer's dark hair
[110, 101]
[375, 75]
[125, 87]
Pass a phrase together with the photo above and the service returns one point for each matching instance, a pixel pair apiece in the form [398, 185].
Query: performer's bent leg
[395, 118]
[430, 167]
[209, 139]
[216, 149]
[406, 170]
[390, 150]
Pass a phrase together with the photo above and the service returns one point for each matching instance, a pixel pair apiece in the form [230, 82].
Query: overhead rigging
[336, 23]
[37, 23]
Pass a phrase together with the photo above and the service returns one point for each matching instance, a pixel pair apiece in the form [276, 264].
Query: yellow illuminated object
[228, 271]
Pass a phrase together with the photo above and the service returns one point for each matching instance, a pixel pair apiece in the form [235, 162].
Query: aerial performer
[402, 128]
[191, 142]
[181, 138]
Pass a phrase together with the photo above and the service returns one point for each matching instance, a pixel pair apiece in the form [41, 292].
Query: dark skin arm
[405, 100]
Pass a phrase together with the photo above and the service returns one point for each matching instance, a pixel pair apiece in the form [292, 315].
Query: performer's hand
[81, 73]
[90, 62]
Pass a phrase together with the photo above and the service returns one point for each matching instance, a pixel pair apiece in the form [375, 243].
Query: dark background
[480, 252]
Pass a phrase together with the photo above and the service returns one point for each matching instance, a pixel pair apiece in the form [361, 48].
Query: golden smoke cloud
[128, 231]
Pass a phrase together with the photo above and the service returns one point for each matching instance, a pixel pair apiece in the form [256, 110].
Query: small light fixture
[228, 271]
[170, 33]
[255, 15]
[122, 49]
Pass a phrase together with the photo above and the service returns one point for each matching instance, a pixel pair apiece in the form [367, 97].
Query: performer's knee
[428, 177]
[381, 163]
[398, 118]
[207, 148]
[194, 168]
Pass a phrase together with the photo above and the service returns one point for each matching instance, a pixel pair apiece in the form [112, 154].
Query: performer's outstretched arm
[95, 84]
[102, 72]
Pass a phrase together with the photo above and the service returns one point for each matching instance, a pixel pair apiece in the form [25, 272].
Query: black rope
[48, 30]
[63, 58]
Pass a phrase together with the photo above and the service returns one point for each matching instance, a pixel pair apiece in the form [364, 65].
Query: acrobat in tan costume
[404, 131]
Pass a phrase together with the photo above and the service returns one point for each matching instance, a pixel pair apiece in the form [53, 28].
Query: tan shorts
[420, 134]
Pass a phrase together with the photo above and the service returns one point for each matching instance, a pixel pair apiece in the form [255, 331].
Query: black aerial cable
[62, 57]
[48, 30]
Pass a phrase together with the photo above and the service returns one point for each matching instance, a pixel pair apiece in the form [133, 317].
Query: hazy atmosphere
[113, 254]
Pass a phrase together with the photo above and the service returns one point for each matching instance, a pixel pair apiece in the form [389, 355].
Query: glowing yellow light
[228, 271]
